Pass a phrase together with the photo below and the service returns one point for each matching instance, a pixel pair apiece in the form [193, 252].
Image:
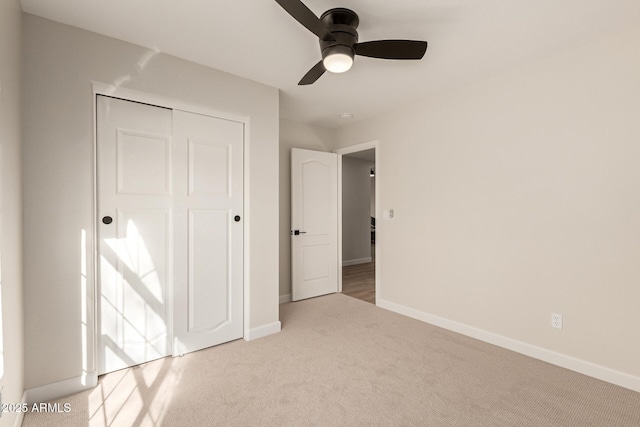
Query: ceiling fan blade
[307, 18]
[313, 74]
[392, 49]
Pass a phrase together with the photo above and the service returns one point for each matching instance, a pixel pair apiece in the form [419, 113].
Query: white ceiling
[468, 40]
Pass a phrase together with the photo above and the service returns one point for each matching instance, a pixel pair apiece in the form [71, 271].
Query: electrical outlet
[556, 320]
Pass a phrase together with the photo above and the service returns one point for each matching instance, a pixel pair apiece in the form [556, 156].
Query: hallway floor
[359, 281]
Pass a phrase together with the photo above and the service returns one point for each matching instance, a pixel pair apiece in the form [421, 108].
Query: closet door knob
[236, 218]
[107, 220]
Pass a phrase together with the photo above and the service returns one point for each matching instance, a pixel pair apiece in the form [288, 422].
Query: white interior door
[170, 185]
[135, 232]
[208, 287]
[314, 223]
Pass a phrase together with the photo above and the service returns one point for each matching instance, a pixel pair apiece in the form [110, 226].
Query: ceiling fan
[336, 29]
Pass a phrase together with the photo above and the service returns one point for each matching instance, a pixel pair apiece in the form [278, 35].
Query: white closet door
[170, 229]
[208, 283]
[135, 213]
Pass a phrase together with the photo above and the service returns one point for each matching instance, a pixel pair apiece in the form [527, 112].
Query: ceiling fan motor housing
[342, 24]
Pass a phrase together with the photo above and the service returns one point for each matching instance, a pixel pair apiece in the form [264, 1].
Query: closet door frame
[90, 293]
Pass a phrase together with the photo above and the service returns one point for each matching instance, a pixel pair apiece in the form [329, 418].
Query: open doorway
[358, 231]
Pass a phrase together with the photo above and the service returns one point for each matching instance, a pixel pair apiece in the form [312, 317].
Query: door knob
[107, 220]
[298, 232]
[236, 218]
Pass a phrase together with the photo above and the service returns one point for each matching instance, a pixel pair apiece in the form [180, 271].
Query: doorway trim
[348, 150]
[133, 95]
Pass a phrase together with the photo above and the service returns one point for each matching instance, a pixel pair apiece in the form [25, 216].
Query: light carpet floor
[342, 362]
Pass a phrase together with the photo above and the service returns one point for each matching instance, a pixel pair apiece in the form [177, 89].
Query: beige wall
[356, 206]
[60, 64]
[293, 134]
[518, 196]
[12, 378]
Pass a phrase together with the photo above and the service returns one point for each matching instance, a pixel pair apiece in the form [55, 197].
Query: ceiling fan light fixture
[338, 62]
[337, 34]
[337, 59]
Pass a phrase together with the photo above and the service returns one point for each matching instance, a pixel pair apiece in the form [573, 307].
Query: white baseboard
[17, 421]
[285, 298]
[581, 366]
[262, 331]
[356, 261]
[61, 388]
